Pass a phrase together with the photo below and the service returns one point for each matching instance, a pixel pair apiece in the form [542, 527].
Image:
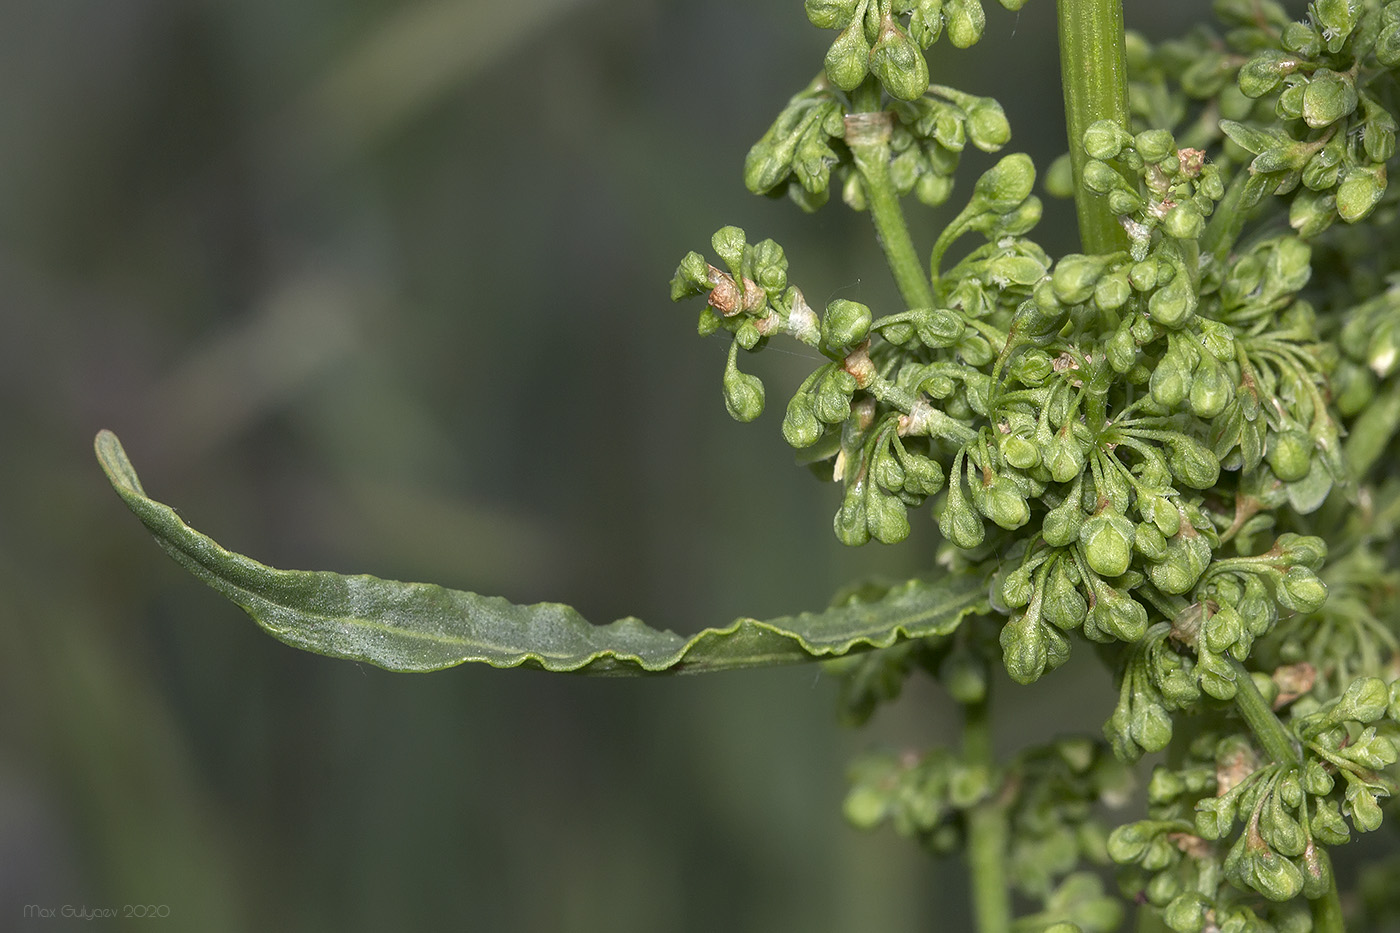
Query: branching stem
[868, 135]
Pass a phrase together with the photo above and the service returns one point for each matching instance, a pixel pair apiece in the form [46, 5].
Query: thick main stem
[1094, 71]
[987, 831]
[868, 135]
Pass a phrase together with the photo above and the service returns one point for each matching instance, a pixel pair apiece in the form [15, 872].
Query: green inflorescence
[1175, 450]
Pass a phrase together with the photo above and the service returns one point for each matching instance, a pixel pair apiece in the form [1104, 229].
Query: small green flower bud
[743, 393]
[1101, 178]
[1016, 588]
[1387, 48]
[1107, 542]
[957, 522]
[851, 523]
[987, 125]
[1365, 700]
[692, 277]
[770, 266]
[1064, 456]
[922, 476]
[898, 63]
[848, 59]
[1000, 500]
[1316, 780]
[1184, 222]
[1023, 648]
[1113, 291]
[1360, 191]
[1160, 512]
[1186, 558]
[1383, 349]
[1143, 275]
[926, 22]
[1059, 178]
[1264, 72]
[966, 20]
[886, 470]
[1301, 590]
[1063, 523]
[1302, 40]
[1062, 605]
[1289, 105]
[1187, 912]
[1289, 454]
[1191, 462]
[800, 425]
[1327, 824]
[1164, 786]
[830, 14]
[1365, 811]
[1211, 388]
[1274, 876]
[1018, 451]
[1104, 139]
[1378, 132]
[1122, 349]
[729, 243]
[1222, 629]
[1327, 98]
[1149, 541]
[866, 806]
[1318, 880]
[937, 327]
[747, 335]
[1312, 212]
[1076, 275]
[1031, 368]
[887, 517]
[1150, 726]
[845, 324]
[709, 322]
[1173, 304]
[1122, 201]
[832, 396]
[1171, 381]
[1280, 830]
[932, 189]
[1155, 145]
[1006, 185]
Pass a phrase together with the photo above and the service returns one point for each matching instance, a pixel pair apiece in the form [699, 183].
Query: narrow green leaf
[423, 627]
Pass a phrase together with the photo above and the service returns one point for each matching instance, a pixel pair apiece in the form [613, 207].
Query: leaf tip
[112, 457]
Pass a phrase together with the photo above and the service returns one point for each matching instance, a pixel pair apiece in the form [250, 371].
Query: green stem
[1277, 743]
[987, 831]
[1094, 72]
[868, 135]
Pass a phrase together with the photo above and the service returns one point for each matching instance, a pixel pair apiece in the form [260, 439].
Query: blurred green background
[382, 287]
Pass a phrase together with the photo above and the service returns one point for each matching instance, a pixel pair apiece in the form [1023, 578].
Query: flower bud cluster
[1287, 812]
[1142, 445]
[808, 142]
[886, 38]
[1330, 84]
[1049, 793]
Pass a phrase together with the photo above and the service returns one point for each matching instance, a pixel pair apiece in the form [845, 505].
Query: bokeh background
[382, 287]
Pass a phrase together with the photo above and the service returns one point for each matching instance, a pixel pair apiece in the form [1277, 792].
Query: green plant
[1171, 445]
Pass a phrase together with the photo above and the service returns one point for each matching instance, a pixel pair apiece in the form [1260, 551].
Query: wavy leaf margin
[425, 627]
